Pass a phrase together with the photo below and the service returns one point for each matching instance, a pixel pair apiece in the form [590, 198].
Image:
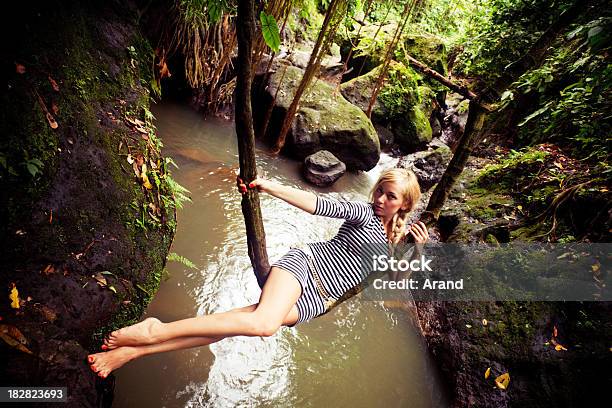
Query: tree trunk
[425, 70]
[256, 237]
[476, 117]
[308, 74]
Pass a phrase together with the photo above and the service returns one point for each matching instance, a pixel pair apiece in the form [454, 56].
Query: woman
[302, 285]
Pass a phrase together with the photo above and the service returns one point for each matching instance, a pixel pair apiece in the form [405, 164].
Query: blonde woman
[302, 285]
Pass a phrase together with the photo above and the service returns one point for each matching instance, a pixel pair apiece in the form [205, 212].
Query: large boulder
[412, 132]
[324, 121]
[402, 106]
[427, 48]
[323, 168]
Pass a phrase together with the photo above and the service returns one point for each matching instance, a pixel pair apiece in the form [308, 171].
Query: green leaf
[533, 115]
[269, 30]
[214, 11]
[32, 168]
[139, 286]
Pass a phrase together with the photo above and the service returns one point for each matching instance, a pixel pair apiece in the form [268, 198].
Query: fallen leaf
[100, 279]
[14, 297]
[559, 347]
[488, 373]
[49, 270]
[54, 84]
[48, 313]
[145, 181]
[51, 217]
[13, 337]
[503, 381]
[20, 69]
[555, 331]
[52, 121]
[111, 287]
[484, 322]
[469, 326]
[595, 267]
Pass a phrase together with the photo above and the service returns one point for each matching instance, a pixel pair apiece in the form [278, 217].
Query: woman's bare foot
[139, 334]
[104, 363]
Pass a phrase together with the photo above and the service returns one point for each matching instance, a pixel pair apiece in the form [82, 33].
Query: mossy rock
[428, 49]
[324, 121]
[72, 217]
[399, 106]
[412, 132]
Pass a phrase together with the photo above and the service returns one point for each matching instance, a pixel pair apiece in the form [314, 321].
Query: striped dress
[328, 270]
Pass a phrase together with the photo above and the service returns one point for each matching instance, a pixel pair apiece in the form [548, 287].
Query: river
[361, 354]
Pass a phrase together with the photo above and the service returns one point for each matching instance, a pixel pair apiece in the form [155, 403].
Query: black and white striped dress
[337, 262]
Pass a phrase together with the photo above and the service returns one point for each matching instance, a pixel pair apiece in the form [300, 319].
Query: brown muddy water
[361, 354]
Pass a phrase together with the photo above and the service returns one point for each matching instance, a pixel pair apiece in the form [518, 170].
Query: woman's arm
[303, 200]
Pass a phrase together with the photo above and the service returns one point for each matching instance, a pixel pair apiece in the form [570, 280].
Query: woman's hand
[418, 232]
[259, 184]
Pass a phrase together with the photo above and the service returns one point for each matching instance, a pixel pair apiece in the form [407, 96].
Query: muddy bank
[86, 237]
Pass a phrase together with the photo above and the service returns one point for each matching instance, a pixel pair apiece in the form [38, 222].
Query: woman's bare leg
[279, 294]
[105, 363]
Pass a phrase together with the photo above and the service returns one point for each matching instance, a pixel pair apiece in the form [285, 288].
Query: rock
[299, 58]
[325, 120]
[385, 136]
[323, 168]
[413, 132]
[436, 128]
[428, 165]
[369, 57]
[397, 106]
[428, 49]
[358, 91]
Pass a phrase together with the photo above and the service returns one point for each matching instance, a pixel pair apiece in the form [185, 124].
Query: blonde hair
[409, 191]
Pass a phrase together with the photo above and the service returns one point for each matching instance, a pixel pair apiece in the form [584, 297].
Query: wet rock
[429, 165]
[324, 121]
[436, 128]
[385, 136]
[323, 168]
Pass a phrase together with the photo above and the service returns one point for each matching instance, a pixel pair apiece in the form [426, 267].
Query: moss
[487, 205]
[518, 166]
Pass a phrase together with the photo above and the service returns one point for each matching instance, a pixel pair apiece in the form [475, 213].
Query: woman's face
[388, 200]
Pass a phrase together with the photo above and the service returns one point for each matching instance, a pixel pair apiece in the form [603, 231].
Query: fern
[173, 256]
